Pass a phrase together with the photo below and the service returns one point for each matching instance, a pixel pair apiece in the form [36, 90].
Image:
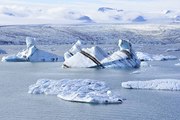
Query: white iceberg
[157, 84]
[147, 57]
[164, 58]
[95, 57]
[76, 90]
[136, 72]
[177, 64]
[33, 54]
[144, 56]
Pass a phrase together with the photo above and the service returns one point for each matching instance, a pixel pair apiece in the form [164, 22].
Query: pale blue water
[17, 104]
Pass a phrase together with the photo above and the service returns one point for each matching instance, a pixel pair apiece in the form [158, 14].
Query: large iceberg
[158, 84]
[95, 57]
[33, 54]
[76, 90]
[147, 57]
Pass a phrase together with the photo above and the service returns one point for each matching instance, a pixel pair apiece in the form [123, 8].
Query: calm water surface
[17, 104]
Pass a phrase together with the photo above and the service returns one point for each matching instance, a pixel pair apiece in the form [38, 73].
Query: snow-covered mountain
[17, 14]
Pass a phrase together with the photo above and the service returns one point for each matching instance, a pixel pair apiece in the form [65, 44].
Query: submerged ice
[76, 90]
[32, 54]
[158, 84]
[95, 57]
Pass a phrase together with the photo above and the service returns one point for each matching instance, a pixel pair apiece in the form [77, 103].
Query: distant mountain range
[15, 15]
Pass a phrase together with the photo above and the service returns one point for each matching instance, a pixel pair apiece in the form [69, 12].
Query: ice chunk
[95, 57]
[136, 72]
[75, 48]
[147, 57]
[30, 42]
[158, 84]
[124, 45]
[76, 90]
[33, 54]
[163, 58]
[144, 56]
[177, 64]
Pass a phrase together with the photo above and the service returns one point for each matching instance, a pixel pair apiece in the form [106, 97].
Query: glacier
[157, 84]
[137, 34]
[32, 54]
[95, 57]
[76, 90]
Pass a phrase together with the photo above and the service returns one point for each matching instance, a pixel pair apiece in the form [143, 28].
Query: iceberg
[157, 84]
[95, 57]
[76, 90]
[147, 57]
[144, 56]
[33, 54]
[164, 58]
[177, 64]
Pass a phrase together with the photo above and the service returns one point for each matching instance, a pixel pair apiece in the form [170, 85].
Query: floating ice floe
[158, 84]
[76, 90]
[147, 57]
[163, 57]
[177, 64]
[33, 54]
[136, 72]
[2, 51]
[173, 49]
[95, 57]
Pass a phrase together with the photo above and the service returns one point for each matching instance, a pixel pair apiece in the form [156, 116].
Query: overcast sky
[121, 4]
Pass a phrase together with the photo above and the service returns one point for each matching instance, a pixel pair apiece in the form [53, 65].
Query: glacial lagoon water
[17, 104]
